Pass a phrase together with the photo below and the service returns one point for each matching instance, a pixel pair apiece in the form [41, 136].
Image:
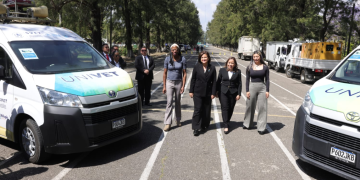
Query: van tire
[35, 153]
[239, 56]
[288, 74]
[303, 76]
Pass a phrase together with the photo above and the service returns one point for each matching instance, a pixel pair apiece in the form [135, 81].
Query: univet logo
[342, 91]
[353, 117]
[87, 77]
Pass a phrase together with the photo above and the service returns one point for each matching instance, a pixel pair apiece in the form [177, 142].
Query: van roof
[33, 32]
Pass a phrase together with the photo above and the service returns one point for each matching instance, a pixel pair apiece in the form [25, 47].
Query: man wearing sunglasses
[105, 53]
[144, 65]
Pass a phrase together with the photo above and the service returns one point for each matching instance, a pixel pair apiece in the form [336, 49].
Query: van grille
[332, 121]
[333, 137]
[334, 164]
[113, 135]
[110, 114]
[108, 102]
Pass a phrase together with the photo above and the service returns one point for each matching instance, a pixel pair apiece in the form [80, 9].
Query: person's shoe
[244, 127]
[262, 132]
[178, 124]
[196, 132]
[226, 131]
[167, 127]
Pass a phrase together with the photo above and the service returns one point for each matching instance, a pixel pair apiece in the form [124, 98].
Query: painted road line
[272, 115]
[223, 155]
[9, 158]
[150, 164]
[284, 149]
[70, 166]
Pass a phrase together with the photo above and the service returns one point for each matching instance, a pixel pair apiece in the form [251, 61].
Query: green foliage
[275, 20]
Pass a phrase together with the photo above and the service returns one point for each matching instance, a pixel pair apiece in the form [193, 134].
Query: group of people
[113, 56]
[205, 86]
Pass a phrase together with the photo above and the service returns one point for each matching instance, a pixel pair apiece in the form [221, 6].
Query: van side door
[6, 97]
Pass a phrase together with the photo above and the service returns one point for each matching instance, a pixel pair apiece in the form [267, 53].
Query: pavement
[177, 154]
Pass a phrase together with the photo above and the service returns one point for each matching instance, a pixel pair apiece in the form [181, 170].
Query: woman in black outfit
[202, 90]
[257, 92]
[228, 88]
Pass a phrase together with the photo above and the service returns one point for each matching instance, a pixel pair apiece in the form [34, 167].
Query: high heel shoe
[167, 127]
[226, 132]
[178, 124]
[196, 132]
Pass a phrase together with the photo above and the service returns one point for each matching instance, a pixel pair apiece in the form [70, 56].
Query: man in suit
[105, 53]
[144, 65]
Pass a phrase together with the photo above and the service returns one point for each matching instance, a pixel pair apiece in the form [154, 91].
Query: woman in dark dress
[202, 90]
[228, 88]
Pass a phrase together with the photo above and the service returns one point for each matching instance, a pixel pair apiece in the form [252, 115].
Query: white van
[59, 95]
[246, 46]
[327, 125]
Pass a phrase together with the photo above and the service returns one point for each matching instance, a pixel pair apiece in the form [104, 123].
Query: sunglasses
[143, 50]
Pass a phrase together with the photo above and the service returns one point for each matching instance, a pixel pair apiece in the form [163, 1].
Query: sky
[206, 10]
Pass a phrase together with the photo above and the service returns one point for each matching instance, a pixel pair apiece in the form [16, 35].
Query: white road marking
[223, 156]
[70, 167]
[150, 164]
[281, 145]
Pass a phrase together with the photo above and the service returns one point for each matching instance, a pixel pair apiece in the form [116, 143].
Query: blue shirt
[175, 71]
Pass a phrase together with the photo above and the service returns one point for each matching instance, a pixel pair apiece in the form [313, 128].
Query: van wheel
[288, 74]
[239, 56]
[276, 68]
[302, 76]
[31, 142]
[242, 57]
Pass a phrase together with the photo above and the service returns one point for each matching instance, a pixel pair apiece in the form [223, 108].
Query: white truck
[312, 61]
[247, 46]
[276, 52]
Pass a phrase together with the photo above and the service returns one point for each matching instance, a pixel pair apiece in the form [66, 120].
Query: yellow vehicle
[312, 61]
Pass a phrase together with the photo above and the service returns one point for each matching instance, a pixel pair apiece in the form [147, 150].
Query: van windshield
[349, 71]
[52, 57]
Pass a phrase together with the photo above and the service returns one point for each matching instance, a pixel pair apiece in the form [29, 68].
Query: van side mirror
[2, 72]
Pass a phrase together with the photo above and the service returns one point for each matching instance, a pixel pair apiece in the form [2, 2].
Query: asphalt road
[153, 154]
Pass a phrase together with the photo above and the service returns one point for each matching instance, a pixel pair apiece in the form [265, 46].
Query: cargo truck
[247, 46]
[312, 61]
[276, 52]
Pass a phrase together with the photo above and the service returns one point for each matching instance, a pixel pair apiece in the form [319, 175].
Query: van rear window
[52, 57]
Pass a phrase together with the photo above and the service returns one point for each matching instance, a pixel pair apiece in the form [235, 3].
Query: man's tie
[145, 65]
[107, 57]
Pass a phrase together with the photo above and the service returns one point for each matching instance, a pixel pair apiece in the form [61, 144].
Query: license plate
[344, 156]
[118, 123]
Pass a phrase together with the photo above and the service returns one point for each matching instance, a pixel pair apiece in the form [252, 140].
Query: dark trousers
[227, 102]
[144, 89]
[202, 112]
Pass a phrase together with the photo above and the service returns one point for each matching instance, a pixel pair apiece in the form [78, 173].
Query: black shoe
[244, 127]
[226, 132]
[196, 132]
[148, 104]
[262, 132]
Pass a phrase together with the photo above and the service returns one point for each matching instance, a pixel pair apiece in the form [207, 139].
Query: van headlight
[55, 98]
[307, 104]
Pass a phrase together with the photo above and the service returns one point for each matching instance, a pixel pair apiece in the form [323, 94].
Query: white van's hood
[341, 97]
[87, 83]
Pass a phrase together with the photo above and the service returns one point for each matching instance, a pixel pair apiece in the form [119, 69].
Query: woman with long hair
[174, 79]
[228, 87]
[117, 60]
[257, 92]
[202, 90]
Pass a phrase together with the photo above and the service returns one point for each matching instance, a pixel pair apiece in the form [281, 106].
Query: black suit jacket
[203, 84]
[139, 65]
[224, 84]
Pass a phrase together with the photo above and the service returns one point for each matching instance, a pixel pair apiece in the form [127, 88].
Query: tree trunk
[158, 40]
[128, 41]
[140, 31]
[147, 32]
[96, 31]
